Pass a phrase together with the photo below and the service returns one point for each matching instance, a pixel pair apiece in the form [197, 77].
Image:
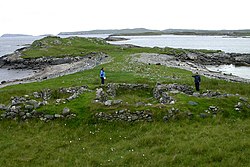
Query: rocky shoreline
[50, 67]
[197, 63]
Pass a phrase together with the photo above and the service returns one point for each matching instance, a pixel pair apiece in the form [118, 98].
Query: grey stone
[237, 109]
[24, 117]
[34, 103]
[49, 117]
[36, 94]
[26, 96]
[29, 107]
[140, 104]
[74, 96]
[134, 117]
[101, 95]
[165, 118]
[192, 103]
[66, 111]
[28, 115]
[21, 114]
[43, 103]
[121, 112]
[3, 107]
[243, 99]
[238, 105]
[189, 114]
[115, 102]
[174, 91]
[213, 109]
[58, 100]
[108, 103]
[196, 94]
[58, 116]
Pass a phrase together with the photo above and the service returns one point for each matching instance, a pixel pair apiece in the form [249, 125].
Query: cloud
[54, 16]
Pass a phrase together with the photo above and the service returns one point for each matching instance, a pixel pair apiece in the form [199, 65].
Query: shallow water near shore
[10, 75]
[243, 72]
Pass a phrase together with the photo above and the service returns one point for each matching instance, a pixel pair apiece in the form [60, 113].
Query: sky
[38, 17]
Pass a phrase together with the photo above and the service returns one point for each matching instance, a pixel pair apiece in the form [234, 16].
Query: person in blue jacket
[102, 75]
[197, 80]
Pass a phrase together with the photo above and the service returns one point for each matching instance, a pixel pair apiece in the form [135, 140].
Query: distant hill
[14, 35]
[143, 31]
[111, 31]
[207, 32]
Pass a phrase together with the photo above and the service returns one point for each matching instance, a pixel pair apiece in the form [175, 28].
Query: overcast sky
[38, 17]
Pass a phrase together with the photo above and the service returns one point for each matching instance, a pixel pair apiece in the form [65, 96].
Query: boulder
[101, 95]
[66, 111]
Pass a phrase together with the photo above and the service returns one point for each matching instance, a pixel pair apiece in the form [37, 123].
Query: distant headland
[144, 31]
[14, 35]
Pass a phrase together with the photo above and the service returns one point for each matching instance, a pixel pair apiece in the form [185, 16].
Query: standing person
[197, 80]
[102, 76]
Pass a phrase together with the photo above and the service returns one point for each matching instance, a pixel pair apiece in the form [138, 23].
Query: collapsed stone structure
[162, 93]
[25, 107]
[126, 115]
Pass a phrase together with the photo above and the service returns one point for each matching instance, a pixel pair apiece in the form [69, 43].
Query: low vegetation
[221, 140]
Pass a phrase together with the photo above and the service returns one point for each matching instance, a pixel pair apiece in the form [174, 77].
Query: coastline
[52, 71]
[51, 67]
[171, 61]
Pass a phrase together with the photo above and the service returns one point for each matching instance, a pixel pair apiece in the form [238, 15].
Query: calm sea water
[10, 44]
[237, 45]
[243, 72]
[226, 44]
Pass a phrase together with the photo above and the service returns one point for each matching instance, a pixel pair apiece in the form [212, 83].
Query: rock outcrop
[15, 60]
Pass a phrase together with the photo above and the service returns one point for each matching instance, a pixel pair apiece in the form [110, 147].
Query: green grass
[207, 143]
[85, 141]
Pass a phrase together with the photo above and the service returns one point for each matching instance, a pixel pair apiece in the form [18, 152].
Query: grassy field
[223, 140]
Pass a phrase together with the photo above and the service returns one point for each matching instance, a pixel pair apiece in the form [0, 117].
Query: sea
[227, 44]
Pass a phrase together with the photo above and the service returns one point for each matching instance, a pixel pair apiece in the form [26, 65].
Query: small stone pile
[101, 95]
[243, 103]
[175, 114]
[161, 92]
[211, 111]
[28, 112]
[126, 115]
[74, 93]
[211, 94]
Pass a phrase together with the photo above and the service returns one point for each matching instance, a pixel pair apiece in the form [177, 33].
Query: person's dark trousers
[102, 80]
[197, 86]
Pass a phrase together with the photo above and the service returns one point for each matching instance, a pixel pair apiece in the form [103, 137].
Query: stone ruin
[161, 92]
[25, 107]
[126, 115]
